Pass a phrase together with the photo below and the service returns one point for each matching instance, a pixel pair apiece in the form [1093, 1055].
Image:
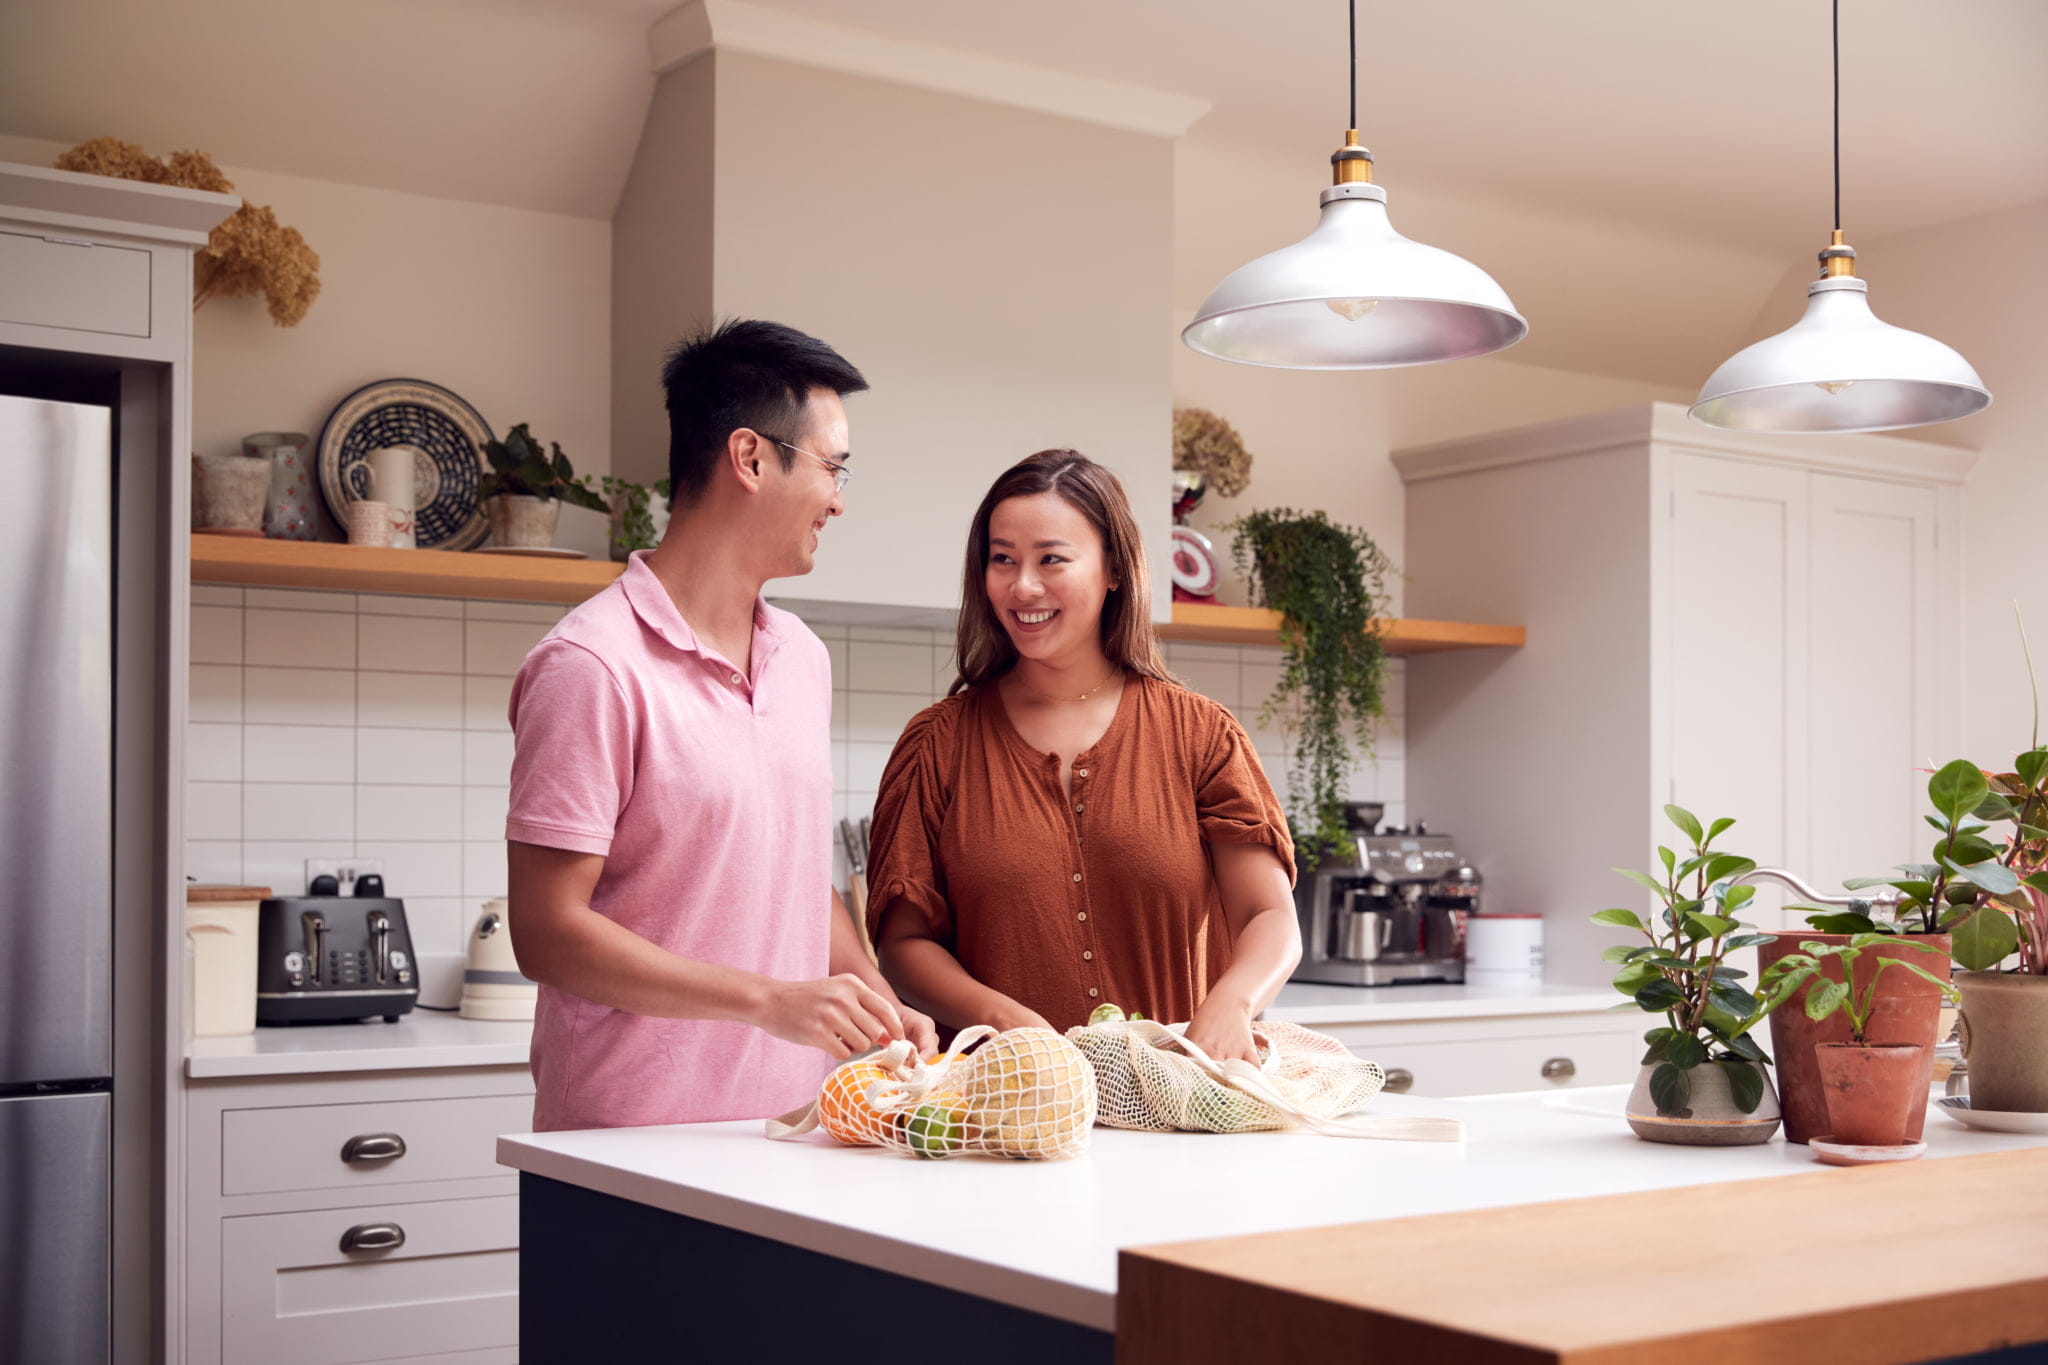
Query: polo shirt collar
[657, 610]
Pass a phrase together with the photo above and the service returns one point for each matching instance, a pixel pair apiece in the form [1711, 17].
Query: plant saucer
[1852, 1154]
[1957, 1108]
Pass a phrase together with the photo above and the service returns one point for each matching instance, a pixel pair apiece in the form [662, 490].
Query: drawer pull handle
[373, 1237]
[373, 1147]
[1559, 1069]
[1399, 1078]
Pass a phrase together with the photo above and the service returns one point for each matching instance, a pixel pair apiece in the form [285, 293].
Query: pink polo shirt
[710, 796]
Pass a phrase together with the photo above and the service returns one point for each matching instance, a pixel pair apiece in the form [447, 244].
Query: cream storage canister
[220, 959]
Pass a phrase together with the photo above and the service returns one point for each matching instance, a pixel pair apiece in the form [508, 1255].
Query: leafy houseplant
[1794, 970]
[525, 488]
[1328, 582]
[1681, 971]
[633, 521]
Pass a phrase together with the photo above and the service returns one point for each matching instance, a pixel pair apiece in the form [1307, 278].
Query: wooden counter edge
[1976, 1280]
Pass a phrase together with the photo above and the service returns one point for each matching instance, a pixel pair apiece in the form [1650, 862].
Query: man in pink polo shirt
[670, 858]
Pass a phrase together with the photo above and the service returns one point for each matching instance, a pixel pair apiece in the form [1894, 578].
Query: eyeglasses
[840, 473]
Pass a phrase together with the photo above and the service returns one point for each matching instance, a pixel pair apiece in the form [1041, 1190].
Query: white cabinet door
[1736, 597]
[1873, 659]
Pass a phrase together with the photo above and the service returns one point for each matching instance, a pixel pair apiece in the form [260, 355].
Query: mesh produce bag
[1027, 1093]
[1150, 1077]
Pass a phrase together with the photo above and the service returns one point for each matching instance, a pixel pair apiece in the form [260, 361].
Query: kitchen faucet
[1884, 900]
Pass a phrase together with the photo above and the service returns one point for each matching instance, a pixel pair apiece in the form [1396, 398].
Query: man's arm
[850, 956]
[560, 941]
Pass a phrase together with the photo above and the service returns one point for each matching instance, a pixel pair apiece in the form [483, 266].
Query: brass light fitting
[1351, 164]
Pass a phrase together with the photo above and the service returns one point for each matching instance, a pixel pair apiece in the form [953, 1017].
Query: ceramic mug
[369, 523]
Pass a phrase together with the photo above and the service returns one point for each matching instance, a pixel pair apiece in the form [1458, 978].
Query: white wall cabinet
[334, 1219]
[1754, 626]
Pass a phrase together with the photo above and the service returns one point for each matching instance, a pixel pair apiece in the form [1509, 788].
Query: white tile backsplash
[343, 725]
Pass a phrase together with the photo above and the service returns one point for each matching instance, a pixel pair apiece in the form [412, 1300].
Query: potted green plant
[1702, 1081]
[524, 491]
[639, 514]
[1328, 582]
[1873, 1088]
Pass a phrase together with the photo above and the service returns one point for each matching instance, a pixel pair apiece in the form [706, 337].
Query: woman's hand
[1222, 1027]
[1013, 1015]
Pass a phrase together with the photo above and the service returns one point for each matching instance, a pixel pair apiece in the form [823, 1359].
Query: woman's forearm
[928, 977]
[1267, 950]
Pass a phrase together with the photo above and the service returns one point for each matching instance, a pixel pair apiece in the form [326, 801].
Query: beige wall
[507, 307]
[1001, 276]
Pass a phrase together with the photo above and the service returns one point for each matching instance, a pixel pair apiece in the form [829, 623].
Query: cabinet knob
[373, 1237]
[1559, 1069]
[1399, 1078]
[373, 1147]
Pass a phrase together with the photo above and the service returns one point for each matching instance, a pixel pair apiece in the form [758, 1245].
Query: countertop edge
[426, 1058]
[1052, 1298]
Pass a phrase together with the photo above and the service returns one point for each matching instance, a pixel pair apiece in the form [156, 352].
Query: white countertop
[420, 1039]
[1484, 995]
[1045, 1236]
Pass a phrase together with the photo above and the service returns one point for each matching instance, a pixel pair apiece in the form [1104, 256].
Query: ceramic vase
[289, 513]
[1710, 1118]
[521, 521]
[1907, 1010]
[2005, 1040]
[228, 493]
[1871, 1090]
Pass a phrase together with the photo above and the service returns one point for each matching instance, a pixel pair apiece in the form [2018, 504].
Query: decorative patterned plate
[450, 435]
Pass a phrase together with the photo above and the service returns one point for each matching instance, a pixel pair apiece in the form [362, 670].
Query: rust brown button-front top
[973, 832]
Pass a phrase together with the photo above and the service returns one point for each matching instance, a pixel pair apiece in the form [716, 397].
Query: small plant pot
[229, 493]
[1907, 1010]
[521, 521]
[2005, 1039]
[1871, 1089]
[1710, 1118]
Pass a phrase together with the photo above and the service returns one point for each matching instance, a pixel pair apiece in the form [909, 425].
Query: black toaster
[321, 958]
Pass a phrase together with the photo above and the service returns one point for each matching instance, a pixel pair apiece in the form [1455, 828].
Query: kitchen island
[637, 1241]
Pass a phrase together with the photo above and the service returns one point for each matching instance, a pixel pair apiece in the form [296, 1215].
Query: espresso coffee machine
[1368, 916]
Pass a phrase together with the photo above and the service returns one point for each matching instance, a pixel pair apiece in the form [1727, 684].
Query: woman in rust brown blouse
[1070, 827]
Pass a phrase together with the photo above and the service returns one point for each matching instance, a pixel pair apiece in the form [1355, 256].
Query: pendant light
[1354, 294]
[1839, 368]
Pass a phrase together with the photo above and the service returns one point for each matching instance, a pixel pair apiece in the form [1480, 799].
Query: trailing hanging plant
[1328, 582]
[634, 503]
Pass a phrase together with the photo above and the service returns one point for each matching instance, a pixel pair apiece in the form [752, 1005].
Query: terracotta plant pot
[1711, 1118]
[2005, 1041]
[518, 520]
[1907, 1010]
[1872, 1090]
[229, 492]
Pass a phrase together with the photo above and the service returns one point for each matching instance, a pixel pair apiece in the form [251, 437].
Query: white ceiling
[1704, 123]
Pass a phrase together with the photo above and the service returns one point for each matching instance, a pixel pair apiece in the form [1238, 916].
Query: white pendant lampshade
[1355, 295]
[1840, 368]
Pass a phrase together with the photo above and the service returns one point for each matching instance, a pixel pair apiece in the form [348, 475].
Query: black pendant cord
[1837, 46]
[1354, 66]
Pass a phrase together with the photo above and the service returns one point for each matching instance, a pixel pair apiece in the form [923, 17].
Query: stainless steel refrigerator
[56, 879]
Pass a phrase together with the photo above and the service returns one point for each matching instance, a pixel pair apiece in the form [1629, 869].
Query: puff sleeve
[904, 860]
[1234, 803]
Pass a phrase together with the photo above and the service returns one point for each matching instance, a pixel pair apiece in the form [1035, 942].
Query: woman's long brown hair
[984, 648]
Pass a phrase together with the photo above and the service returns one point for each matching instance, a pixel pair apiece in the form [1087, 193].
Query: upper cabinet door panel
[81, 286]
[1875, 651]
[1736, 593]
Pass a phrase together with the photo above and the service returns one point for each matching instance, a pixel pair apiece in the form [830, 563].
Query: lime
[1105, 1014]
[933, 1130]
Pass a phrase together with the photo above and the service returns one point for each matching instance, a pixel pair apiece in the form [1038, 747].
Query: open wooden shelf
[415, 573]
[1251, 626]
[520, 578]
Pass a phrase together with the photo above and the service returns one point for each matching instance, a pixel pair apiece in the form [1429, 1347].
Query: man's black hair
[742, 373]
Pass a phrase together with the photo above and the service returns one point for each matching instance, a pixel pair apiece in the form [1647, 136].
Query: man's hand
[839, 1015]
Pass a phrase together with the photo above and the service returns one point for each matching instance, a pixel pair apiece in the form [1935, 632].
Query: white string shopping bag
[1150, 1077]
[1027, 1093]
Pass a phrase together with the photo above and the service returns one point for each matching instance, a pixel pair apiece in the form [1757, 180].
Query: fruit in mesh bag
[843, 1108]
[1026, 1093]
[935, 1127]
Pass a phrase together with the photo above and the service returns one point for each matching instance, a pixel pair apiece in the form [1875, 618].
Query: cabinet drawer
[1475, 1066]
[289, 1292]
[84, 286]
[264, 1151]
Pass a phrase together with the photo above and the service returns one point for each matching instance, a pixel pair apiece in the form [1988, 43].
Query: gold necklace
[1115, 672]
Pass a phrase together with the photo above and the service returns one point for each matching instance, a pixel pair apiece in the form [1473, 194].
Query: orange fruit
[843, 1109]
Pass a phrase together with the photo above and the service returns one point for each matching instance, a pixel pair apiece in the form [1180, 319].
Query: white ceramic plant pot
[229, 492]
[521, 521]
[1710, 1118]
